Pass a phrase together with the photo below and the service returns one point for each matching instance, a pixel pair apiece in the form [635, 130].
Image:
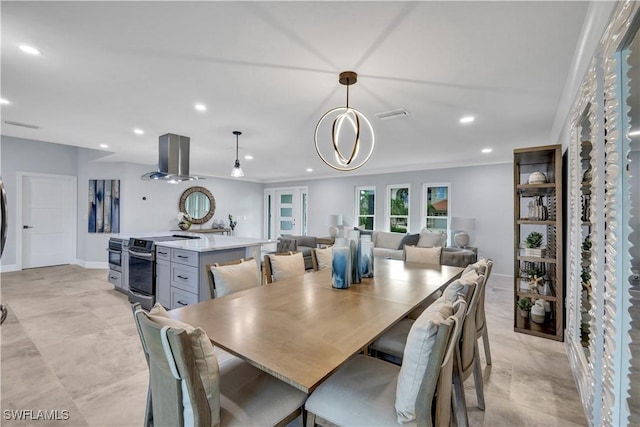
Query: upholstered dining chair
[281, 266]
[390, 346]
[189, 388]
[233, 276]
[481, 319]
[371, 392]
[321, 258]
[425, 257]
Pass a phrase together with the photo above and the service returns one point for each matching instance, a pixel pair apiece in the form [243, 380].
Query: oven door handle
[114, 251]
[140, 254]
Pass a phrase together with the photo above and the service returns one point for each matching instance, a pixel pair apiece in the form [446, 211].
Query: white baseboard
[91, 264]
[8, 268]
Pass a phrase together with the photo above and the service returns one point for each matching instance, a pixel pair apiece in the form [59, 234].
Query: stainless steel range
[142, 268]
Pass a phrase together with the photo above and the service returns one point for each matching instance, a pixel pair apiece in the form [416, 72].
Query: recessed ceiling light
[30, 50]
[201, 107]
[248, 157]
[104, 146]
[487, 150]
[309, 170]
[138, 131]
[467, 119]
[634, 132]
[4, 101]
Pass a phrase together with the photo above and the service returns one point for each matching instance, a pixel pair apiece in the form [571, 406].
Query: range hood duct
[173, 160]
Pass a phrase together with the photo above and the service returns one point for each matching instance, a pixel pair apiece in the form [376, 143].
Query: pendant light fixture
[344, 137]
[236, 172]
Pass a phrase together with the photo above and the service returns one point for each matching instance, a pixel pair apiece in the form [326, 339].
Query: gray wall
[155, 214]
[21, 155]
[481, 192]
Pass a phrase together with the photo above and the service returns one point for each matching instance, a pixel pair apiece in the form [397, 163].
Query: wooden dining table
[301, 329]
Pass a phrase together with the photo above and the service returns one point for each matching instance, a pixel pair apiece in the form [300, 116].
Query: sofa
[304, 244]
[391, 245]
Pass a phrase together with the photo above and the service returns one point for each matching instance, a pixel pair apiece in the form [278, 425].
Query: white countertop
[207, 243]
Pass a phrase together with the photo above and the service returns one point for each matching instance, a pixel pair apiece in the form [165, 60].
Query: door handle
[24, 227]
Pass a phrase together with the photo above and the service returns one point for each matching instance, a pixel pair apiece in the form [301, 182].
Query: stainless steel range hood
[173, 160]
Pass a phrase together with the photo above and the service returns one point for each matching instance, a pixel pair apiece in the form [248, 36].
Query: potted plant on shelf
[533, 244]
[524, 304]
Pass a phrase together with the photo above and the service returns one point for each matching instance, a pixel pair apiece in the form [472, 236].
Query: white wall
[155, 214]
[481, 192]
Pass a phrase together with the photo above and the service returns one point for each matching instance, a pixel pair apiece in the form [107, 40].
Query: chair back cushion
[427, 256]
[283, 266]
[420, 342]
[464, 285]
[228, 279]
[430, 239]
[286, 244]
[323, 256]
[205, 359]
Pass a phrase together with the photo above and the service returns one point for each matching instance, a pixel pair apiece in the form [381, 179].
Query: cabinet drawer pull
[182, 256]
[162, 253]
[182, 303]
[182, 277]
[111, 277]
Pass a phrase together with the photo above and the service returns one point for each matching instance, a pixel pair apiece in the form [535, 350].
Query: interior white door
[47, 221]
[286, 212]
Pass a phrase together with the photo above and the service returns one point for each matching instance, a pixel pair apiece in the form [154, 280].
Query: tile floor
[69, 343]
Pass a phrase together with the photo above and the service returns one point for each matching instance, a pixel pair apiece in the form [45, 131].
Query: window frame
[424, 217]
[356, 203]
[388, 215]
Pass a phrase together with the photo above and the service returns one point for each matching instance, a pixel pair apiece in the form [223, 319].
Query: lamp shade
[335, 219]
[464, 224]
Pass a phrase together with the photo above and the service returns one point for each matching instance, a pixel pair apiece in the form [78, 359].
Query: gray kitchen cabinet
[181, 276]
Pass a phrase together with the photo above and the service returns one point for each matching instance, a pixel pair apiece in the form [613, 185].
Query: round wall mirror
[198, 203]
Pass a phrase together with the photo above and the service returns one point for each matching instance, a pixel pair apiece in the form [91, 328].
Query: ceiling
[270, 70]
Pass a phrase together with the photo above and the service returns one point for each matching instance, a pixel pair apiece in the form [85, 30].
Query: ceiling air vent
[24, 125]
[393, 114]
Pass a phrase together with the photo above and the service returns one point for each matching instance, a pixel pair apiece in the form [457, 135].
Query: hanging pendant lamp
[344, 137]
[237, 172]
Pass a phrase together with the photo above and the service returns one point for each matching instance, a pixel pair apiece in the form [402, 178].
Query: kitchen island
[181, 276]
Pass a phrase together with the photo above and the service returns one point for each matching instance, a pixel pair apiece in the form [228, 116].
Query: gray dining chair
[365, 391]
[280, 266]
[481, 318]
[188, 387]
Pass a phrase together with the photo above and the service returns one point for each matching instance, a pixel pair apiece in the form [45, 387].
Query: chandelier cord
[236, 148]
[347, 93]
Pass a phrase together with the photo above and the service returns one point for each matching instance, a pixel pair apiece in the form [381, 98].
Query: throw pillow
[388, 240]
[427, 256]
[323, 256]
[205, 358]
[283, 266]
[429, 239]
[419, 346]
[409, 239]
[233, 278]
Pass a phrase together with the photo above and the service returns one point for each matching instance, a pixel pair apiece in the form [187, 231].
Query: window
[366, 207]
[435, 207]
[398, 208]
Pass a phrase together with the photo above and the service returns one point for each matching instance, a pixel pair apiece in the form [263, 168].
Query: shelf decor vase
[356, 249]
[341, 266]
[524, 313]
